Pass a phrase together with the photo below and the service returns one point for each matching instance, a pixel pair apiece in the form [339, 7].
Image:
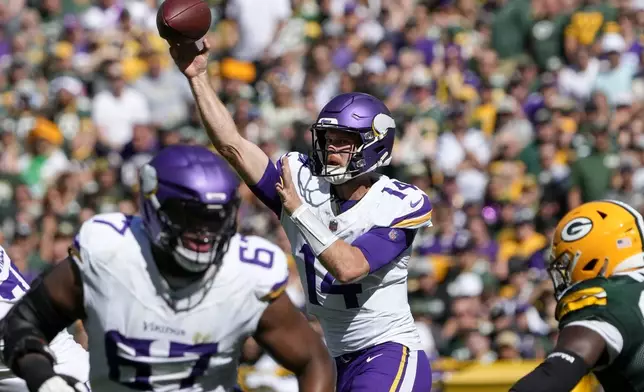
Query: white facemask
[337, 175]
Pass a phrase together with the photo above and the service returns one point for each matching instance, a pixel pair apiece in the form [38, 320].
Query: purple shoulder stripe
[304, 159]
[74, 251]
[12, 284]
[278, 165]
[76, 243]
[277, 289]
[265, 188]
[279, 285]
[425, 208]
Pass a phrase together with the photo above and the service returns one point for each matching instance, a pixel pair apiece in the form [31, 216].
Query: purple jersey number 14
[348, 291]
[401, 187]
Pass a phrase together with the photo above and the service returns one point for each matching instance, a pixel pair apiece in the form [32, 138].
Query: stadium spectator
[509, 113]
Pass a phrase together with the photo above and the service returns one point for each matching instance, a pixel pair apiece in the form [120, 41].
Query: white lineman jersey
[375, 309]
[138, 340]
[71, 358]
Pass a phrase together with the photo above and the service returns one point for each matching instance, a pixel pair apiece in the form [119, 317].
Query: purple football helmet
[360, 114]
[189, 205]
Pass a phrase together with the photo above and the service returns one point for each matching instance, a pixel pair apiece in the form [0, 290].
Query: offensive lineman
[169, 298]
[597, 268]
[350, 229]
[71, 358]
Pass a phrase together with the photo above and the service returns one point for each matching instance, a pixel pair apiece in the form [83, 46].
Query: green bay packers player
[597, 267]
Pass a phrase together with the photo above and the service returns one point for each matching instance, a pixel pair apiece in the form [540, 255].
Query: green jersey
[510, 28]
[614, 308]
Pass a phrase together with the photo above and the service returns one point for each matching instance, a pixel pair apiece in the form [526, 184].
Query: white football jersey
[137, 339]
[373, 310]
[71, 358]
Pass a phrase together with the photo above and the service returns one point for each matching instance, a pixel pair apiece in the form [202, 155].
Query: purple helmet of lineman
[189, 205]
[353, 135]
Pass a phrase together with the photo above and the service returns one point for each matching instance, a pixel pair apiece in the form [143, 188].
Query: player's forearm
[345, 262]
[318, 375]
[316, 381]
[219, 124]
[560, 372]
[245, 157]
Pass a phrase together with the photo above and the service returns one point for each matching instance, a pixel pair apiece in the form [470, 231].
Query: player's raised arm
[252, 164]
[287, 336]
[578, 351]
[54, 302]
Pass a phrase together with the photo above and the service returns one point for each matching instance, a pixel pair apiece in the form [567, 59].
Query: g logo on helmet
[576, 229]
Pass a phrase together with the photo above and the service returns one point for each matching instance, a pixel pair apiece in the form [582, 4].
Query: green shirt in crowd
[592, 175]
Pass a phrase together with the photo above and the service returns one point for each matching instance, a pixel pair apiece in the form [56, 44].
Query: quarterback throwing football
[350, 229]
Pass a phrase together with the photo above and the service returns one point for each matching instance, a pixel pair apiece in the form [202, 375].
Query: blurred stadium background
[509, 113]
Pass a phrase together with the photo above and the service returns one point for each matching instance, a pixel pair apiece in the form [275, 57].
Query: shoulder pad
[265, 263]
[295, 160]
[311, 189]
[407, 207]
[585, 295]
[98, 235]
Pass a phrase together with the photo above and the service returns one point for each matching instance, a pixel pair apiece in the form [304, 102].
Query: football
[181, 21]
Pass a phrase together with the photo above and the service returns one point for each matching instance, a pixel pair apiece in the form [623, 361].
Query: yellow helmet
[598, 238]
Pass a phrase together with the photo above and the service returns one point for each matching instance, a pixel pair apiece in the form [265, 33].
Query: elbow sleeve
[30, 325]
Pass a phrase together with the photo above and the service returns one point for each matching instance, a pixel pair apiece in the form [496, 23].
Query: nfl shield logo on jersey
[333, 225]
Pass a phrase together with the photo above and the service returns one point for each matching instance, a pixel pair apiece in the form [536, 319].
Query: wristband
[316, 233]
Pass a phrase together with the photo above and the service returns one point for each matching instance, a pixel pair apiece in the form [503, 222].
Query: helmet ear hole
[591, 265]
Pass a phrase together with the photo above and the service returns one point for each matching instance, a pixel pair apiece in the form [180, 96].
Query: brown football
[183, 20]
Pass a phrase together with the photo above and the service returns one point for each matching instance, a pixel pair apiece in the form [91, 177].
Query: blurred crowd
[509, 113]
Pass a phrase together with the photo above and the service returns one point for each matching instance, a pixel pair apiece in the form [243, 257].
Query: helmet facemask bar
[197, 234]
[560, 273]
[319, 155]
[560, 270]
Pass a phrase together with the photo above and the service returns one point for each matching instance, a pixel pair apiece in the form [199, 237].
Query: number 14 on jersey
[348, 291]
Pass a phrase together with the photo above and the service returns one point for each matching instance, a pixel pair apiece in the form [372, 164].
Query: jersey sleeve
[94, 244]
[403, 206]
[382, 245]
[12, 284]
[266, 264]
[400, 211]
[587, 305]
[265, 188]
